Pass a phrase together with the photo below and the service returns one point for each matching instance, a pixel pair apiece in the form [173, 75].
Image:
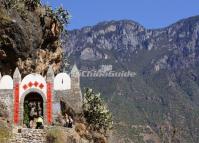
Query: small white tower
[75, 77]
[50, 75]
[17, 76]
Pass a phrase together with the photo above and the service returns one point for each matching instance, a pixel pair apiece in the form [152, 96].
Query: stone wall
[73, 98]
[26, 135]
[6, 97]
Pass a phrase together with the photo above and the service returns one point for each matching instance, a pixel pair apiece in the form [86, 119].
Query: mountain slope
[163, 96]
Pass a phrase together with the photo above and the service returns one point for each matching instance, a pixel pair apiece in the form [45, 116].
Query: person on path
[70, 124]
[40, 123]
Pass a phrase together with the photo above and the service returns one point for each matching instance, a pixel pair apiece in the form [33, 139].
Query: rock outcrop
[29, 39]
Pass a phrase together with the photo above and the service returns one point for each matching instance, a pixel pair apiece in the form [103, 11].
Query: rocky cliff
[29, 37]
[160, 103]
[128, 38]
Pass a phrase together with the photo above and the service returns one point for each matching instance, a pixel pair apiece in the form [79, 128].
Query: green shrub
[62, 15]
[96, 113]
[59, 15]
[26, 114]
[32, 4]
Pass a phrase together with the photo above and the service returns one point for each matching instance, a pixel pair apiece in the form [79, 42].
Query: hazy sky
[149, 13]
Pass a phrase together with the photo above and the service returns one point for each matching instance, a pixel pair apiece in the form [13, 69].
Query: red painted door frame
[16, 103]
[48, 104]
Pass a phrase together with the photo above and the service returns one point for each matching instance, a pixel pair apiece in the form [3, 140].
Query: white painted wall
[62, 82]
[33, 78]
[6, 82]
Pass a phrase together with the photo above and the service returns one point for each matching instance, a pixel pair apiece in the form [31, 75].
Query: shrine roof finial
[75, 70]
[17, 74]
[50, 70]
[50, 73]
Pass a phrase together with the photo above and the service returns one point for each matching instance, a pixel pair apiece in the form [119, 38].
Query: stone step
[28, 136]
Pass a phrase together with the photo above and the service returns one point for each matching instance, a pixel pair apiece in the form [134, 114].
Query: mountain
[159, 104]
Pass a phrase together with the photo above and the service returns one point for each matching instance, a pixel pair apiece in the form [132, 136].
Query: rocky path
[26, 135]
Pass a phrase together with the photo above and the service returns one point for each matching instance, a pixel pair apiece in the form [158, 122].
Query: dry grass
[80, 129]
[4, 16]
[5, 135]
[55, 135]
